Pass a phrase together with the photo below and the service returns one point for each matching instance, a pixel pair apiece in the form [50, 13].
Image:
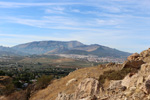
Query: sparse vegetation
[9, 88]
[44, 81]
[114, 75]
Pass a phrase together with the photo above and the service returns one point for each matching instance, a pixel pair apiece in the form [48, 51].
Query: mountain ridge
[7, 51]
[41, 47]
[68, 47]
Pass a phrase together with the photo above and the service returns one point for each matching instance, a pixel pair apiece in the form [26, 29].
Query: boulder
[110, 64]
[86, 90]
[146, 86]
[145, 69]
[140, 81]
[88, 87]
[145, 53]
[63, 96]
[115, 84]
[71, 81]
[133, 64]
[134, 56]
[130, 81]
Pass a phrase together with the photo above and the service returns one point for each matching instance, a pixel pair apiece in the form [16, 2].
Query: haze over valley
[69, 49]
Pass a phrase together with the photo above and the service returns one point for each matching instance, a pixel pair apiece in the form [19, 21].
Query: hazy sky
[121, 24]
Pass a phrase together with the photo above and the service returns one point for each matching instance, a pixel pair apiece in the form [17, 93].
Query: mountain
[70, 47]
[42, 47]
[6, 51]
[99, 50]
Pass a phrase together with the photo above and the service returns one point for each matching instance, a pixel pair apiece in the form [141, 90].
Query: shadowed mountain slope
[70, 47]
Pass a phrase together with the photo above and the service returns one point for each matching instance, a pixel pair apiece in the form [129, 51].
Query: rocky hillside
[128, 81]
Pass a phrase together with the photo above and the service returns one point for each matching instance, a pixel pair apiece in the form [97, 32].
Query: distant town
[92, 58]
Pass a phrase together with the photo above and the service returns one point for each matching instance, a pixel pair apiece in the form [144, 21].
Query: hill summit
[127, 81]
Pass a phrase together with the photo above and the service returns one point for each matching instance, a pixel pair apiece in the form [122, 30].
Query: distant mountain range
[51, 47]
[62, 47]
[6, 51]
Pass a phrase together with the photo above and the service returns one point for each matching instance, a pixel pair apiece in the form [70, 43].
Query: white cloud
[107, 22]
[15, 4]
[55, 10]
[13, 39]
[61, 22]
[75, 10]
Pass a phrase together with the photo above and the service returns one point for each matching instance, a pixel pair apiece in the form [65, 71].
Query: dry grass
[57, 86]
[46, 60]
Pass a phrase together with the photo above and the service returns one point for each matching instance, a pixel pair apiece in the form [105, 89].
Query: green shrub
[9, 89]
[2, 73]
[114, 75]
[44, 81]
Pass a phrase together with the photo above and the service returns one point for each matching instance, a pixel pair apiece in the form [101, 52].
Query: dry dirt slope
[74, 78]
[83, 84]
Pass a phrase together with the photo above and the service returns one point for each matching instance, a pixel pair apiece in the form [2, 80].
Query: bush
[9, 89]
[2, 73]
[44, 81]
[114, 75]
[17, 84]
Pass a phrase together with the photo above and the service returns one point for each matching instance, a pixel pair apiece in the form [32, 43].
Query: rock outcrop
[133, 64]
[86, 90]
[145, 53]
[134, 57]
[86, 85]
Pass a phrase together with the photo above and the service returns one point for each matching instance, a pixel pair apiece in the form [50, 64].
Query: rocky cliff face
[84, 84]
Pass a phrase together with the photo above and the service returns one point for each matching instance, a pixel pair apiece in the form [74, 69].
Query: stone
[130, 81]
[128, 93]
[63, 96]
[145, 69]
[145, 53]
[123, 88]
[134, 56]
[110, 64]
[87, 87]
[146, 87]
[140, 81]
[133, 64]
[115, 84]
[86, 90]
[71, 81]
[138, 95]
[132, 88]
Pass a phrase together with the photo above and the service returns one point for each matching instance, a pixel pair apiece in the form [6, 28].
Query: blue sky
[120, 24]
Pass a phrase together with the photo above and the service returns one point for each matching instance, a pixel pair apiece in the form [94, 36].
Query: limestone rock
[145, 69]
[130, 81]
[114, 84]
[86, 90]
[110, 64]
[71, 81]
[146, 87]
[88, 87]
[140, 81]
[63, 96]
[134, 56]
[138, 95]
[132, 89]
[145, 53]
[133, 64]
